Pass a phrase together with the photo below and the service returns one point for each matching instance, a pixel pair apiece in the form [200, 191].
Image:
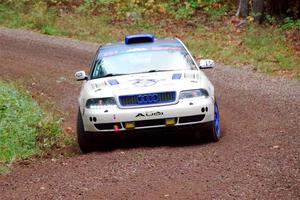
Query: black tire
[83, 138]
[214, 133]
[210, 133]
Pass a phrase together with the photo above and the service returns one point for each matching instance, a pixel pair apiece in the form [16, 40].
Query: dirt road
[257, 158]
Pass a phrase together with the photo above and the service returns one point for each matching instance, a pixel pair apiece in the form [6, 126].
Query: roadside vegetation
[25, 130]
[209, 27]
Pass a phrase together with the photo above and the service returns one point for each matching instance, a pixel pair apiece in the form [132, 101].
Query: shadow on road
[177, 139]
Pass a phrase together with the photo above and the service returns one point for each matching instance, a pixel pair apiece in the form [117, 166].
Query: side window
[98, 69]
[190, 61]
[94, 62]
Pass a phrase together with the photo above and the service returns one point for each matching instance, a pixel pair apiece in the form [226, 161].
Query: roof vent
[139, 38]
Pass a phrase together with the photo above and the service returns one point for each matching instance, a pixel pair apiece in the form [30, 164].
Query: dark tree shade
[276, 8]
[283, 8]
[257, 9]
[243, 9]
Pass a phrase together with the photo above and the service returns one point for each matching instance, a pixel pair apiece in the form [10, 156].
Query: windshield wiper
[159, 70]
[153, 70]
[111, 74]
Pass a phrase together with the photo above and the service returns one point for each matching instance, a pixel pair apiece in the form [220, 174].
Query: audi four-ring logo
[147, 98]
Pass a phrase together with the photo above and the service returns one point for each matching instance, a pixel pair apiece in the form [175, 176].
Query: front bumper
[186, 112]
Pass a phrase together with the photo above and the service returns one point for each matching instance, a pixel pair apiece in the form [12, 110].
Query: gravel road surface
[258, 156]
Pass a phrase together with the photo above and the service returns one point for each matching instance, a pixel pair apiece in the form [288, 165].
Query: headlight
[193, 93]
[99, 102]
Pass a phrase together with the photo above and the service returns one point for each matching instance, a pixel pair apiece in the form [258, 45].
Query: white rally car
[142, 85]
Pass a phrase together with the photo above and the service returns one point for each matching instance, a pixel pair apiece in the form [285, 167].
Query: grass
[264, 48]
[4, 169]
[25, 130]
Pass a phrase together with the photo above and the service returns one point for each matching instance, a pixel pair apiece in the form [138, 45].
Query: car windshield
[141, 60]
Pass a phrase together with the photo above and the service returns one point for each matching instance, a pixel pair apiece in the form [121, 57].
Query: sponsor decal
[191, 76]
[149, 114]
[136, 50]
[144, 82]
[176, 76]
[79, 74]
[104, 54]
[96, 86]
[113, 82]
[167, 48]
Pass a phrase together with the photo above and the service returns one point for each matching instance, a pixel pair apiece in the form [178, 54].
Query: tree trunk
[257, 9]
[243, 9]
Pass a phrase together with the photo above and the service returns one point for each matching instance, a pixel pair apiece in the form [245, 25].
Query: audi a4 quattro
[144, 84]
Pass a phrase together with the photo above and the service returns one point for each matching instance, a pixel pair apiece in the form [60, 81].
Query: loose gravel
[257, 157]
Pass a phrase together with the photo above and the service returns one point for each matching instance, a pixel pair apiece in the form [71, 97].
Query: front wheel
[215, 129]
[84, 139]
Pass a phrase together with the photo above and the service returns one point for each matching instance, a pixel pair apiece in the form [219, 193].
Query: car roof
[157, 42]
[119, 47]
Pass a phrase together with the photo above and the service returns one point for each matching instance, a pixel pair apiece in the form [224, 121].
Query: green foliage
[34, 16]
[289, 23]
[216, 12]
[93, 6]
[269, 50]
[40, 16]
[184, 9]
[286, 23]
[50, 30]
[24, 129]
[9, 16]
[93, 28]
[262, 47]
[4, 169]
[136, 9]
[270, 19]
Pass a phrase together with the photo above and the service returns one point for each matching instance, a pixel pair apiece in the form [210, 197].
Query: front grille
[195, 118]
[147, 99]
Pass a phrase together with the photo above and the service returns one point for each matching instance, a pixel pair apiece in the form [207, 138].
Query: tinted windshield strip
[112, 52]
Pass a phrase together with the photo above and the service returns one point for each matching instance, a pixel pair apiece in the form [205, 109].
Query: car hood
[147, 83]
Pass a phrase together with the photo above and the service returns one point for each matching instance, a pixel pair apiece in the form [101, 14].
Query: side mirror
[80, 76]
[206, 63]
